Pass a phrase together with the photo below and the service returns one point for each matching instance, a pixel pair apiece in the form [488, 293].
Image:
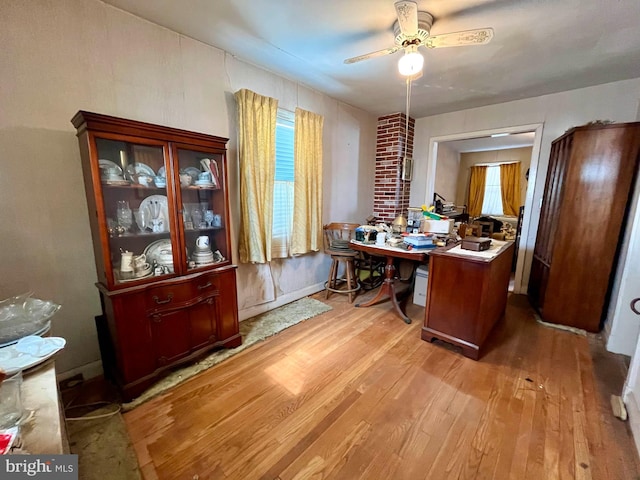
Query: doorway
[487, 138]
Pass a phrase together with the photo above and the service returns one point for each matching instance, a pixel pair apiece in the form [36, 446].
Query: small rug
[252, 331]
[103, 447]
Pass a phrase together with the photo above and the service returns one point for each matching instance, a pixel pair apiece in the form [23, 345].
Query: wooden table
[388, 287]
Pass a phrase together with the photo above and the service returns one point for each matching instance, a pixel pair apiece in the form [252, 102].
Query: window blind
[283, 185]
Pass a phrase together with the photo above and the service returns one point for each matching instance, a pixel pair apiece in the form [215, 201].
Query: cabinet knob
[157, 318]
[161, 302]
[206, 285]
[634, 307]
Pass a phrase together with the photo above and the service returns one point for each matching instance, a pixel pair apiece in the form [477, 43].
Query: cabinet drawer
[167, 296]
[206, 285]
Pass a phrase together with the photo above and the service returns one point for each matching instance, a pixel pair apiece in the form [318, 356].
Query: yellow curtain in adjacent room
[510, 188]
[307, 204]
[476, 189]
[257, 154]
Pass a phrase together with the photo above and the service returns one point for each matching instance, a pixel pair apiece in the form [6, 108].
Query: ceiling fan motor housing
[425, 21]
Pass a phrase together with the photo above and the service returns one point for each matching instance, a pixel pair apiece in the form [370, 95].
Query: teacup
[185, 179]
[109, 172]
[160, 181]
[202, 242]
[142, 270]
[140, 261]
[145, 180]
[205, 177]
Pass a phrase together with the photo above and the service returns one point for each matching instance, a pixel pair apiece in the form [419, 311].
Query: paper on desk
[492, 252]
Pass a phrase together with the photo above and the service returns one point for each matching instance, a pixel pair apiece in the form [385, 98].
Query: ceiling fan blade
[379, 53]
[407, 12]
[480, 36]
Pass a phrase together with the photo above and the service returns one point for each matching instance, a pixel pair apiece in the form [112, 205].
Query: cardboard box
[420, 288]
[437, 226]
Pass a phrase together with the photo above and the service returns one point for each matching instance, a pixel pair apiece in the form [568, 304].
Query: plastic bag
[23, 315]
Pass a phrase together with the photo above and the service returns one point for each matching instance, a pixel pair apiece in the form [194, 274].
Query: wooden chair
[336, 243]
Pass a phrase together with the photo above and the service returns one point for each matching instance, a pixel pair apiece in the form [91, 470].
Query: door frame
[525, 255]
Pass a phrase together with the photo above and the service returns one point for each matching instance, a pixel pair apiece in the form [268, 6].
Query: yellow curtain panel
[510, 188]
[307, 203]
[476, 189]
[257, 154]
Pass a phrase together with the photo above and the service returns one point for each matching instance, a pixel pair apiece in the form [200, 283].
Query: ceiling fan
[412, 30]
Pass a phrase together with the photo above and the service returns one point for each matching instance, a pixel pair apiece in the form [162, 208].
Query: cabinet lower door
[202, 322]
[170, 334]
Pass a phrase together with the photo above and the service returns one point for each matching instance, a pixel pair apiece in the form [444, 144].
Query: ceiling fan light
[410, 64]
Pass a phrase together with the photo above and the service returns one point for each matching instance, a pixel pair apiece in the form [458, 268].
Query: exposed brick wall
[389, 200]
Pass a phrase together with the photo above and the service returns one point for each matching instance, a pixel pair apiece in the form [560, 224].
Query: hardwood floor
[355, 393]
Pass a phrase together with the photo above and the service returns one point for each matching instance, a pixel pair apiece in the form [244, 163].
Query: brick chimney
[389, 200]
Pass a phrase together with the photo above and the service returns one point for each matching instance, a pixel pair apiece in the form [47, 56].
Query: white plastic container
[420, 287]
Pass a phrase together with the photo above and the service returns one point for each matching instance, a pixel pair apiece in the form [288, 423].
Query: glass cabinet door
[137, 213]
[201, 177]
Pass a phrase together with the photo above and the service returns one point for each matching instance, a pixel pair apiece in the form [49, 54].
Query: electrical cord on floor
[91, 417]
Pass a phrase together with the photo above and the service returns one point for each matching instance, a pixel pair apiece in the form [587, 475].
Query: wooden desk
[44, 432]
[466, 296]
[388, 287]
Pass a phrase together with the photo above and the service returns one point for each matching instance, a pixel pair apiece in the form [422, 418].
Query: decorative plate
[28, 352]
[158, 208]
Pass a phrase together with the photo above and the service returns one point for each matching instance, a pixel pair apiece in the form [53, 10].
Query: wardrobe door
[597, 186]
[547, 227]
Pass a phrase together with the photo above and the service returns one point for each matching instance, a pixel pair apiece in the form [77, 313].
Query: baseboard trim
[90, 370]
[283, 300]
[633, 413]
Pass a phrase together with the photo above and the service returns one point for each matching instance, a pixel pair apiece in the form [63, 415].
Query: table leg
[388, 288]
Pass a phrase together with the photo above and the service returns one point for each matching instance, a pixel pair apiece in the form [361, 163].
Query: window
[283, 185]
[492, 204]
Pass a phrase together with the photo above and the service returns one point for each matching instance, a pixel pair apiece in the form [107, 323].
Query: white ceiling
[539, 46]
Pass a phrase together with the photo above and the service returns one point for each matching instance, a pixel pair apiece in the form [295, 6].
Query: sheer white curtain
[492, 203]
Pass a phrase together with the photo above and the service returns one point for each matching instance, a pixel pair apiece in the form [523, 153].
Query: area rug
[252, 330]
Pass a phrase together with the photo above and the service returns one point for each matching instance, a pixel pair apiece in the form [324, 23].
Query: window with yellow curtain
[280, 179]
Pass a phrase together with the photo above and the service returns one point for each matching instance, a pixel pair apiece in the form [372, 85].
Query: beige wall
[469, 159]
[447, 173]
[59, 57]
[616, 101]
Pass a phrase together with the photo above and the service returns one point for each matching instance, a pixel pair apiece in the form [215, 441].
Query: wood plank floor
[355, 393]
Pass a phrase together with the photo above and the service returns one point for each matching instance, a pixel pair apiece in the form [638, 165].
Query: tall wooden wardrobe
[587, 194]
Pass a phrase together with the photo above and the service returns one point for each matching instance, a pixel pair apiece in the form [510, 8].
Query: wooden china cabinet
[159, 215]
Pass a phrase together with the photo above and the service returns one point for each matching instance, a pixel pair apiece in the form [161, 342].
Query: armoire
[587, 194]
